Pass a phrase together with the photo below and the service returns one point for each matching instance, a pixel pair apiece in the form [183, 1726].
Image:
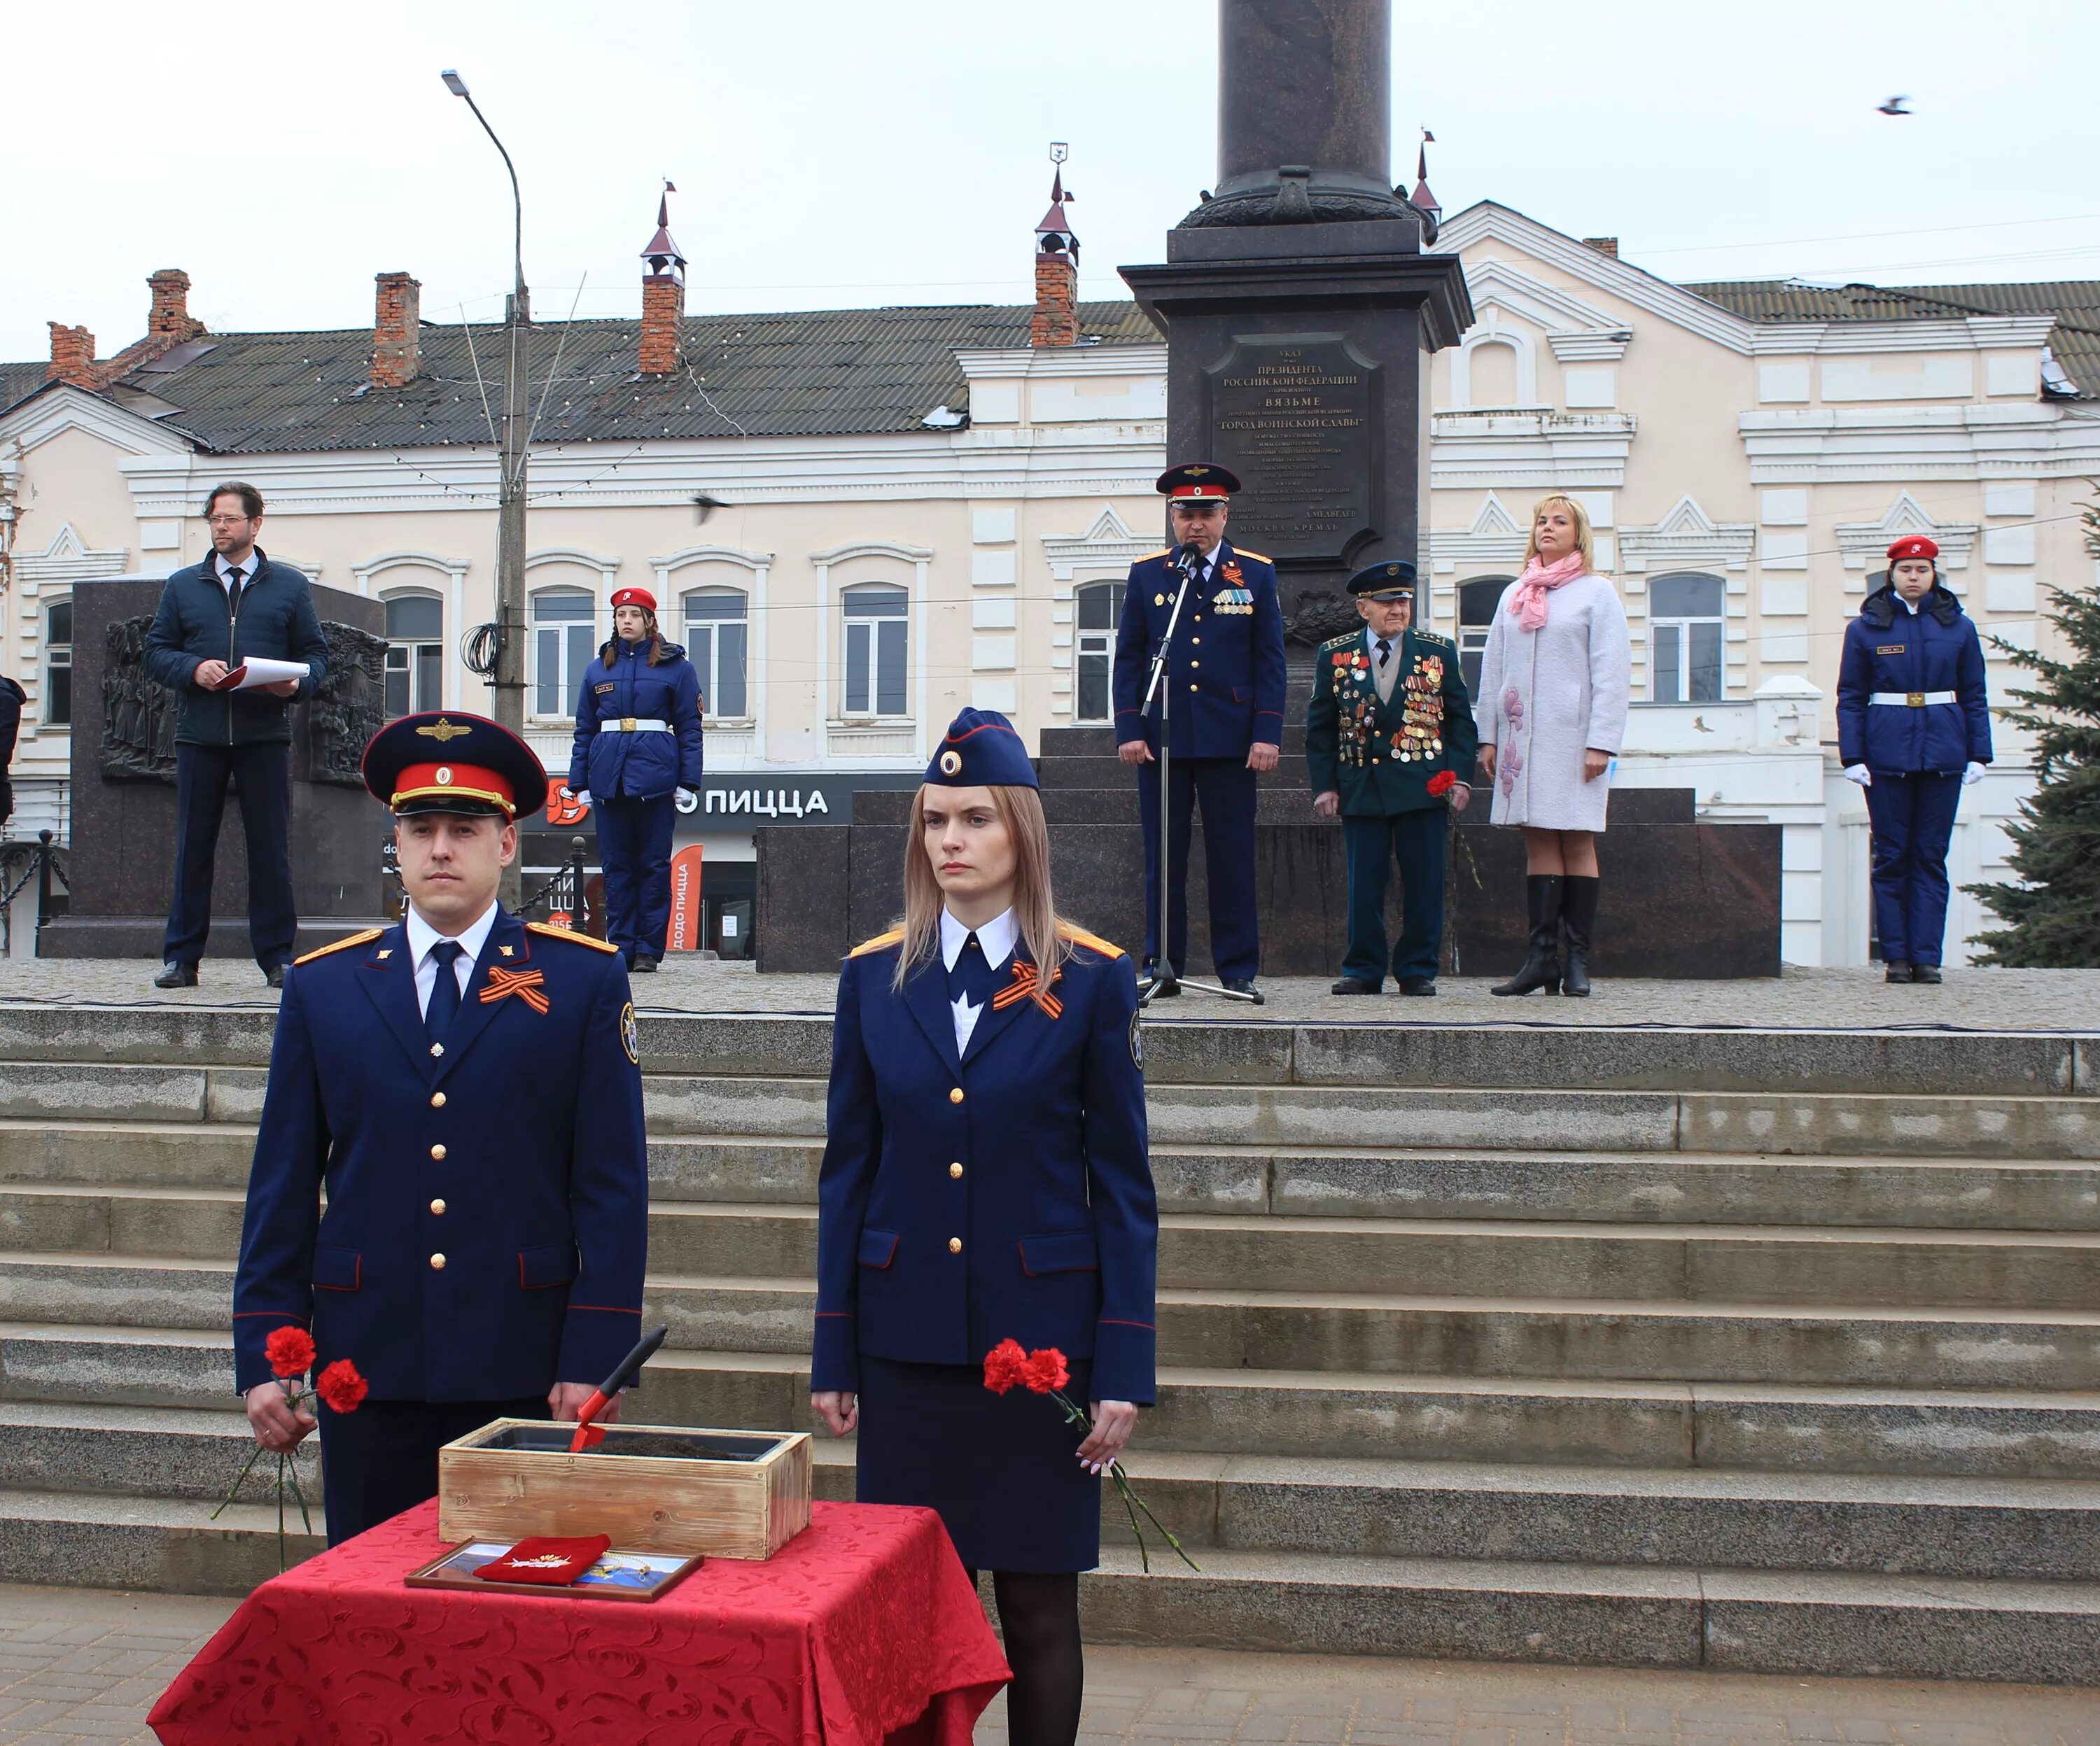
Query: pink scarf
[1528, 604]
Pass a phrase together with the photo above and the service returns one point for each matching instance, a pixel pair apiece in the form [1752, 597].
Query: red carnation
[290, 1352]
[1045, 1370]
[1443, 782]
[342, 1387]
[1005, 1365]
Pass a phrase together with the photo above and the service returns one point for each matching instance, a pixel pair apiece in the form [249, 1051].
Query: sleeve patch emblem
[629, 1034]
[1137, 1041]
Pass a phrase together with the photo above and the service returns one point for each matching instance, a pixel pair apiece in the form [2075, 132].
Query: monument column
[1299, 303]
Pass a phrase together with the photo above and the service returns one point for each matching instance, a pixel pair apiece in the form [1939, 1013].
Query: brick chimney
[663, 295]
[1602, 244]
[1056, 321]
[397, 331]
[171, 322]
[72, 357]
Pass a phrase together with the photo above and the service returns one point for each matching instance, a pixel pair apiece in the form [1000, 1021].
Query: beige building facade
[858, 522]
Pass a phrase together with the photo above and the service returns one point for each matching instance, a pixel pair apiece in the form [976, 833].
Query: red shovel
[589, 1435]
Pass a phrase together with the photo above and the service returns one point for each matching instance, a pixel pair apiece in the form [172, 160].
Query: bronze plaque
[1296, 416]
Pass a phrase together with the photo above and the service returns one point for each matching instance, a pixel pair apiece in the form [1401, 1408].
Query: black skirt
[1002, 1469]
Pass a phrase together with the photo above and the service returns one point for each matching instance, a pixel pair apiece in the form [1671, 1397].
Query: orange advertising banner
[685, 935]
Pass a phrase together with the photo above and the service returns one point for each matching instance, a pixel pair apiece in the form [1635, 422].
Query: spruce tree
[2053, 915]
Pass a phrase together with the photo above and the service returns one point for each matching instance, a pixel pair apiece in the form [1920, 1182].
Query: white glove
[581, 797]
[1972, 775]
[1860, 774]
[687, 801]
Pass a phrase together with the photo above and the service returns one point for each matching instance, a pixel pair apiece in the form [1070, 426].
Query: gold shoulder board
[343, 945]
[1162, 553]
[877, 943]
[571, 934]
[1259, 558]
[1342, 641]
[1092, 941]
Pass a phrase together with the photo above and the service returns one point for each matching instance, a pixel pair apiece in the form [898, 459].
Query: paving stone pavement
[80, 1664]
[2052, 1000]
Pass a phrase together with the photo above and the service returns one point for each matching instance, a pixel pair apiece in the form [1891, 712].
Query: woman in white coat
[1551, 710]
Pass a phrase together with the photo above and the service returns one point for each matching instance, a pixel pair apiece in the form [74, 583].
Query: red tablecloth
[863, 1629]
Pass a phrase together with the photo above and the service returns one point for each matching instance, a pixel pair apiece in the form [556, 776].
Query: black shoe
[1578, 914]
[644, 964]
[1899, 972]
[1542, 968]
[1356, 985]
[275, 976]
[1418, 986]
[1242, 985]
[1925, 973]
[176, 975]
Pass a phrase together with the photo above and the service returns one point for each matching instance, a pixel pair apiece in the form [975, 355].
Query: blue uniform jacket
[516, 1155]
[1227, 669]
[1006, 1195]
[1888, 648]
[637, 766]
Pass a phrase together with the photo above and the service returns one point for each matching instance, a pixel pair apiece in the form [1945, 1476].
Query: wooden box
[651, 1487]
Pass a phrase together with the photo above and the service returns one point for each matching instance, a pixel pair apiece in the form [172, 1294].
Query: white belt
[1913, 699]
[644, 724]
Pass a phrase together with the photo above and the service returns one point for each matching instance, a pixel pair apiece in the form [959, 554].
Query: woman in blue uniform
[1913, 730]
[638, 744]
[985, 1177]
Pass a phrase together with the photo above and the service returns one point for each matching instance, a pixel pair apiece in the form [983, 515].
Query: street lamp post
[509, 680]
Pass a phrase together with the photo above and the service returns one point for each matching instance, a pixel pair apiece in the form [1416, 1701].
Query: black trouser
[383, 1458]
[261, 772]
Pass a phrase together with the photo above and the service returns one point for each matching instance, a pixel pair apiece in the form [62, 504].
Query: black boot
[1541, 969]
[1578, 910]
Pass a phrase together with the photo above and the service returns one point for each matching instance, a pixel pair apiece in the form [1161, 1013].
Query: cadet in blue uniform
[986, 1178]
[1913, 729]
[637, 748]
[466, 1087]
[1226, 673]
[1389, 739]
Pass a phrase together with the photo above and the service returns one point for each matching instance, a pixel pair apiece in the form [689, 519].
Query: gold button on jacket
[955, 1246]
[955, 1096]
[955, 1169]
[437, 1207]
[438, 1261]
[436, 1100]
[438, 1153]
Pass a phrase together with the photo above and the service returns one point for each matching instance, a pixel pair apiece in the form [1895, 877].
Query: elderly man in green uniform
[1389, 739]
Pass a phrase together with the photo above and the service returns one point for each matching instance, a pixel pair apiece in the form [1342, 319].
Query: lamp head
[453, 82]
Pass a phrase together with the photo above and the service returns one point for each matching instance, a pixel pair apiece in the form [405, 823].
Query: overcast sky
[832, 152]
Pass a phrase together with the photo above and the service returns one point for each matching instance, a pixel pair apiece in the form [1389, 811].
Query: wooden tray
[457, 1568]
[651, 1487]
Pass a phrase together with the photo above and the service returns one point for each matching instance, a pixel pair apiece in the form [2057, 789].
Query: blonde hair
[1584, 543]
[1021, 811]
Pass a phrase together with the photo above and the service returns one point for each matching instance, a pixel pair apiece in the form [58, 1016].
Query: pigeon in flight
[1893, 105]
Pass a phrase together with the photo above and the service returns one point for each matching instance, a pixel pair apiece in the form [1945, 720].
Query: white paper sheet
[254, 672]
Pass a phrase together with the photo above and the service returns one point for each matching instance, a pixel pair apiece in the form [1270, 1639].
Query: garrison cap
[981, 750]
[1389, 579]
[1197, 482]
[452, 762]
[1914, 545]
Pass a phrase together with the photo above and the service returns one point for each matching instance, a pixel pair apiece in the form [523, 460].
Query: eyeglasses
[226, 521]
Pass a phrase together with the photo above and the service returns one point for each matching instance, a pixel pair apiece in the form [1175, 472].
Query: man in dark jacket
[12, 697]
[234, 606]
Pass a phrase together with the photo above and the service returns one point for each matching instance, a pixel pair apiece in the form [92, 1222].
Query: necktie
[971, 977]
[444, 992]
[1385, 653]
[233, 579]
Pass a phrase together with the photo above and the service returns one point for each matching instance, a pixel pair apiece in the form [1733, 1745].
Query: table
[862, 1630]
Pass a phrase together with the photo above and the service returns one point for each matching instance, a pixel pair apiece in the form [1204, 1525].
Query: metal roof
[2075, 342]
[815, 372]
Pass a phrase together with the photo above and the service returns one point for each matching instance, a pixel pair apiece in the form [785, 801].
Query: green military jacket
[1381, 758]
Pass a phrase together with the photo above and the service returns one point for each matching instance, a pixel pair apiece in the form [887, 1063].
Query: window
[563, 640]
[716, 633]
[58, 663]
[415, 654]
[1476, 614]
[1684, 619]
[1099, 607]
[874, 651]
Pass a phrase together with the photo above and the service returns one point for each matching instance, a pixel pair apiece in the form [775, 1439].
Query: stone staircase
[1755, 1350]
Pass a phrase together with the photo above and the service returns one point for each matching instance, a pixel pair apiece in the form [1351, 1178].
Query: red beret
[634, 597]
[1912, 546]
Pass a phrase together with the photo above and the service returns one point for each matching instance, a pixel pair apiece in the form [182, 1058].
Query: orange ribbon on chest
[1024, 988]
[528, 984]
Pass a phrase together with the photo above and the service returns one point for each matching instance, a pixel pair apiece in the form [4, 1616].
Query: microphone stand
[1163, 977]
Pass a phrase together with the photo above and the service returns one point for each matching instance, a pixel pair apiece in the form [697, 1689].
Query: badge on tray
[605, 1575]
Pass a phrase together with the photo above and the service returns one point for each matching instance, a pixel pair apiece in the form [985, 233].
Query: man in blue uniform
[1389, 740]
[467, 1089]
[1225, 681]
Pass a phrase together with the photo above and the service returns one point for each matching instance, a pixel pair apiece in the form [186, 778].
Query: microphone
[1189, 559]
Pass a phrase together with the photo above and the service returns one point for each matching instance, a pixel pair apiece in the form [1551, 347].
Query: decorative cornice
[1576, 331]
[1511, 449]
[62, 408]
[1496, 537]
[706, 554]
[909, 554]
[1109, 544]
[1863, 542]
[1687, 536]
[1006, 362]
[568, 555]
[67, 558]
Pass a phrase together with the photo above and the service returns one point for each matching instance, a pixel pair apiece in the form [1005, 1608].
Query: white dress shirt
[245, 570]
[422, 936]
[996, 940]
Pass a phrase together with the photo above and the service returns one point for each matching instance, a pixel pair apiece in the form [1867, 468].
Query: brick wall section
[72, 357]
[397, 331]
[662, 309]
[1055, 321]
[171, 318]
[1602, 244]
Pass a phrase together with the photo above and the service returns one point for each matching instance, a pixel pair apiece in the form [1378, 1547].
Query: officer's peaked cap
[1197, 482]
[980, 750]
[448, 761]
[1389, 579]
